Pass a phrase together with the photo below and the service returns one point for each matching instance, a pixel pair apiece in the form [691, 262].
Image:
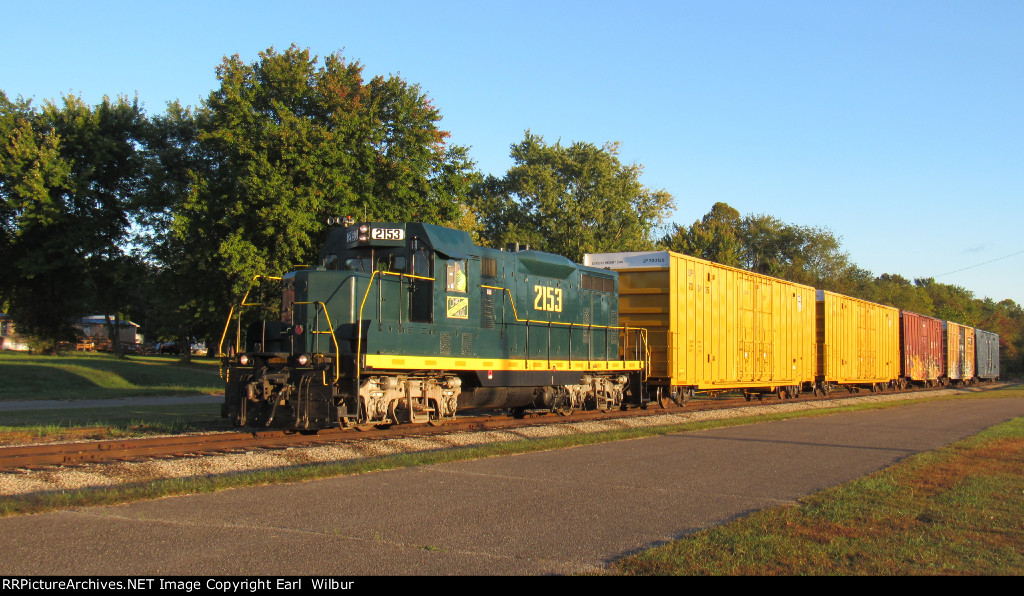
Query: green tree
[715, 237]
[570, 201]
[951, 303]
[896, 290]
[282, 144]
[70, 173]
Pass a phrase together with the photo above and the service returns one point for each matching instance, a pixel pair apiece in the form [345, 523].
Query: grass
[958, 510]
[99, 376]
[108, 423]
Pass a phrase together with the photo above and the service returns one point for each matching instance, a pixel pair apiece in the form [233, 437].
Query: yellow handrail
[515, 314]
[220, 346]
[334, 339]
[369, 285]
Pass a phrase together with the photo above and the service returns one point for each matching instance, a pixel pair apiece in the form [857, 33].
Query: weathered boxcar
[987, 348]
[921, 345]
[969, 354]
[407, 322]
[858, 342]
[960, 356]
[715, 328]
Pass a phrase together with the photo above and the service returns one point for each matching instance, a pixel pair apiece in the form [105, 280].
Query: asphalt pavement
[558, 512]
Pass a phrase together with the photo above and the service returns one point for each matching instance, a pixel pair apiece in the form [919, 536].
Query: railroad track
[84, 452]
[66, 454]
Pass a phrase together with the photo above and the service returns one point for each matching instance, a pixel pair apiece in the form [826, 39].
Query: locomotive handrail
[334, 339]
[366, 294]
[359, 320]
[220, 346]
[515, 314]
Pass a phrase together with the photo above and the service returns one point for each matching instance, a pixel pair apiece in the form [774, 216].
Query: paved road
[557, 512]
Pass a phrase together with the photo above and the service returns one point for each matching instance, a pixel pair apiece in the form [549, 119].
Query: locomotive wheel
[561, 408]
[683, 396]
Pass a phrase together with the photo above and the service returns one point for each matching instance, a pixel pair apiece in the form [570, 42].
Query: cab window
[456, 275]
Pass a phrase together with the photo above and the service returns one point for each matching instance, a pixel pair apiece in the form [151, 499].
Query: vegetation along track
[62, 454]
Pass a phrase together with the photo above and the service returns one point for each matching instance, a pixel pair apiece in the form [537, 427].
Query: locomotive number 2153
[547, 298]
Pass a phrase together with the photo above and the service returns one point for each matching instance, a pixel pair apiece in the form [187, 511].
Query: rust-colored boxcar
[858, 342]
[987, 348]
[923, 359]
[715, 328]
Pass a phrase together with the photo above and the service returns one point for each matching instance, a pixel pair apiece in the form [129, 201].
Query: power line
[980, 264]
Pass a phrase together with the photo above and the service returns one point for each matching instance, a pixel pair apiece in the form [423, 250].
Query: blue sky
[898, 125]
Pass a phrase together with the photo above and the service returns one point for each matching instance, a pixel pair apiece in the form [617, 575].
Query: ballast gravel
[100, 475]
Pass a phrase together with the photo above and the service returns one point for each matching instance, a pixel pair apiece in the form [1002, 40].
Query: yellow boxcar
[858, 342]
[715, 328]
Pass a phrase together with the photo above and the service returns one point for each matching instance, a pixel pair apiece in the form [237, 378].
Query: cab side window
[421, 262]
[421, 286]
[456, 275]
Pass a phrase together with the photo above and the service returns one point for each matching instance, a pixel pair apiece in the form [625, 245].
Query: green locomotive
[411, 322]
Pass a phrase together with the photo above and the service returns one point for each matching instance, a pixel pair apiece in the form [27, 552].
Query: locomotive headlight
[243, 360]
[303, 359]
[364, 229]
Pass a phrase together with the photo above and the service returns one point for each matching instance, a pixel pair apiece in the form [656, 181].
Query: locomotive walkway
[557, 512]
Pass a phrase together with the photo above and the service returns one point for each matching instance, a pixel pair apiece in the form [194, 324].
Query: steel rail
[61, 454]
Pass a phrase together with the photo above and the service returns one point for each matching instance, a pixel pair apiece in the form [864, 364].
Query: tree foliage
[714, 237]
[282, 144]
[765, 244]
[570, 200]
[68, 176]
